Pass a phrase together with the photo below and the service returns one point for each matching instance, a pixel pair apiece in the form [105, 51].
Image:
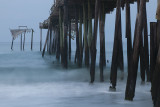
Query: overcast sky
[30, 12]
[22, 12]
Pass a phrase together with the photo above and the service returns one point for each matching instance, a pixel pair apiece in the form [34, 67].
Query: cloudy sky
[22, 12]
[30, 12]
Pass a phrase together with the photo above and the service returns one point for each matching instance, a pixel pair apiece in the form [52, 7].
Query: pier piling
[70, 16]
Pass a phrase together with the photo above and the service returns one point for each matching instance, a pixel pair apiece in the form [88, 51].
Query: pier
[68, 16]
[21, 31]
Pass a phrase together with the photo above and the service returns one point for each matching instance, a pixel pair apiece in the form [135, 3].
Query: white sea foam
[28, 80]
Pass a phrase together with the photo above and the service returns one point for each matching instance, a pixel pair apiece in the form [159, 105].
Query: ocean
[28, 80]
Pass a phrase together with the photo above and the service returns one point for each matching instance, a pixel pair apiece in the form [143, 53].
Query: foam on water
[28, 80]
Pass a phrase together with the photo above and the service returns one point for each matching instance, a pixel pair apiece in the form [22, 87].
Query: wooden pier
[21, 31]
[74, 15]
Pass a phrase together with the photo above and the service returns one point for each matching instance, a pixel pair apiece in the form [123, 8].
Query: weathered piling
[116, 49]
[24, 40]
[69, 28]
[50, 40]
[153, 33]
[21, 43]
[40, 39]
[146, 50]
[32, 40]
[80, 37]
[89, 23]
[142, 60]
[156, 82]
[58, 44]
[155, 42]
[85, 34]
[53, 41]
[65, 29]
[104, 49]
[77, 55]
[61, 33]
[45, 43]
[158, 33]
[136, 50]
[102, 37]
[129, 44]
[142, 66]
[94, 43]
[12, 44]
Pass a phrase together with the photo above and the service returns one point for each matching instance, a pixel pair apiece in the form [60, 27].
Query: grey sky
[22, 12]
[31, 12]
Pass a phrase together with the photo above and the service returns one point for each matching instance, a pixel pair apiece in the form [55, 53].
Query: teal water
[28, 80]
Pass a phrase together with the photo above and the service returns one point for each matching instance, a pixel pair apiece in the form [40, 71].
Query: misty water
[28, 80]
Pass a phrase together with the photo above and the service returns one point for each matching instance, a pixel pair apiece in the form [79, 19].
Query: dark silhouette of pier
[68, 16]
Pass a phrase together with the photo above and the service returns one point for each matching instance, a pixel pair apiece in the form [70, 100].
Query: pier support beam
[156, 82]
[12, 44]
[45, 43]
[40, 39]
[102, 41]
[117, 57]
[153, 34]
[85, 35]
[54, 41]
[21, 43]
[24, 41]
[146, 50]
[129, 42]
[155, 90]
[50, 40]
[70, 40]
[61, 33]
[80, 37]
[58, 44]
[65, 49]
[32, 40]
[136, 50]
[142, 60]
[94, 42]
[77, 55]
[89, 23]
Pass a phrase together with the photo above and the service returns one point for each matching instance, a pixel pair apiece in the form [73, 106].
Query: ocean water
[28, 80]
